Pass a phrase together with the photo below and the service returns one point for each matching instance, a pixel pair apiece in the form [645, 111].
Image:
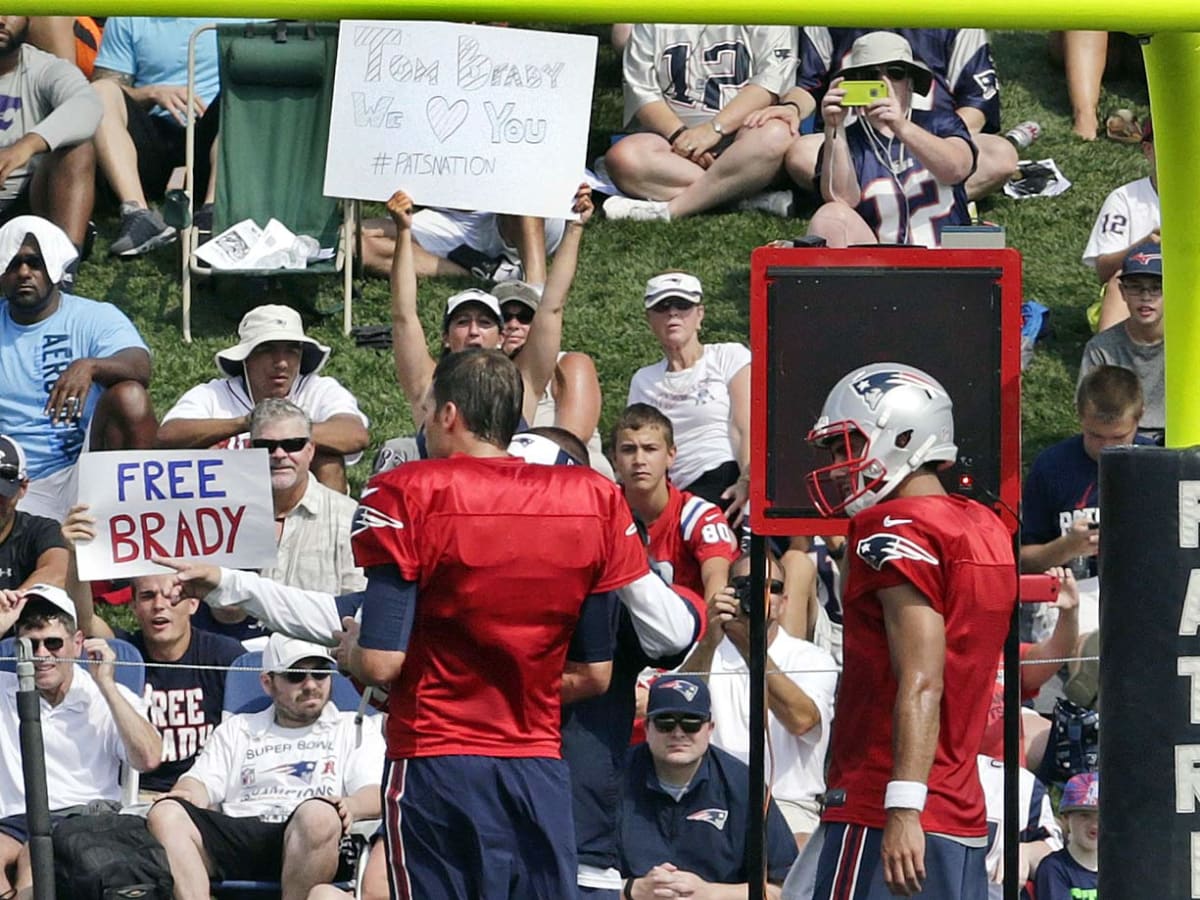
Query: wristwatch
[717, 127]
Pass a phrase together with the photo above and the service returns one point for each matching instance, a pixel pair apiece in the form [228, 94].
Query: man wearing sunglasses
[685, 804]
[90, 724]
[283, 784]
[801, 684]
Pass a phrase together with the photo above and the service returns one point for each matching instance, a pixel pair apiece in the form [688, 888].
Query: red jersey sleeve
[707, 531]
[893, 549]
[381, 533]
[626, 560]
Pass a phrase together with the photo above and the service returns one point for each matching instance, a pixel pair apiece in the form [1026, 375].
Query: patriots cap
[673, 284]
[12, 466]
[1144, 259]
[1081, 794]
[679, 694]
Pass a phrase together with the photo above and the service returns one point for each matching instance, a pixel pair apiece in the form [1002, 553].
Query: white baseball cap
[283, 653]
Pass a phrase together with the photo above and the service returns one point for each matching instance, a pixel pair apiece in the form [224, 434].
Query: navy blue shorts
[479, 828]
[848, 867]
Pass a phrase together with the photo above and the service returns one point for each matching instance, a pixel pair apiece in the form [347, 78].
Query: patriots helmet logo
[874, 386]
[687, 688]
[714, 817]
[302, 770]
[883, 547]
[368, 517]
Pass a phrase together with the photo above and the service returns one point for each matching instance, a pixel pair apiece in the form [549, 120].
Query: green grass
[604, 317]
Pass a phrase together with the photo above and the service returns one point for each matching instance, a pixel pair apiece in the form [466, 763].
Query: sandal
[1123, 127]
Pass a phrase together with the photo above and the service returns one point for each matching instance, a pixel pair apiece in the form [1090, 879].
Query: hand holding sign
[400, 208]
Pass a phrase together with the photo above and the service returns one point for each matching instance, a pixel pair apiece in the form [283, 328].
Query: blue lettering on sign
[179, 479]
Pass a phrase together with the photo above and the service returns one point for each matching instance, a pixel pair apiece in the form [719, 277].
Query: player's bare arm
[917, 646]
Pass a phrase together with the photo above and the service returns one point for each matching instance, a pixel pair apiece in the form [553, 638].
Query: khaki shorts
[802, 816]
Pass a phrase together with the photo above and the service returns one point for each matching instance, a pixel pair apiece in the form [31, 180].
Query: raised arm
[578, 397]
[414, 365]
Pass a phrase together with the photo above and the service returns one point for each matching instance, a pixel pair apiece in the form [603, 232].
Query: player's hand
[79, 526]
[195, 579]
[788, 115]
[100, 656]
[70, 392]
[11, 604]
[173, 98]
[583, 205]
[400, 208]
[1082, 539]
[903, 852]
[832, 110]
[737, 494]
[695, 144]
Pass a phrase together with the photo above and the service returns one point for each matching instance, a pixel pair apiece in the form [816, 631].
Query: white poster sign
[461, 116]
[213, 505]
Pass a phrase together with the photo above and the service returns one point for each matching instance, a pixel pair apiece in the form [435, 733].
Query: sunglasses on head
[689, 724]
[289, 445]
[521, 313]
[742, 583]
[53, 644]
[299, 676]
[673, 304]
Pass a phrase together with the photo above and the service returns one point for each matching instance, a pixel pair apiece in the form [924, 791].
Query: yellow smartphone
[863, 93]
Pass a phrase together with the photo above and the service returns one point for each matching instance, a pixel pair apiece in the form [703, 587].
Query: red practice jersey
[689, 531]
[503, 553]
[957, 553]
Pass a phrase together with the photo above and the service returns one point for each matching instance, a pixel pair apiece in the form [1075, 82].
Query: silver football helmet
[882, 422]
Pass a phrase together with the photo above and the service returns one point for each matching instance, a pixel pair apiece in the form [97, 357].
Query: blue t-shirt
[31, 359]
[1060, 877]
[185, 704]
[154, 50]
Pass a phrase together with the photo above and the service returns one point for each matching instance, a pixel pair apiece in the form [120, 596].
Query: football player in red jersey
[928, 600]
[481, 570]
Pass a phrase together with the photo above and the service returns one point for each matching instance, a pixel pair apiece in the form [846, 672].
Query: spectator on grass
[895, 175]
[1086, 57]
[47, 161]
[689, 152]
[572, 398]
[273, 358]
[1129, 217]
[964, 84]
[1072, 871]
[1137, 342]
[1039, 834]
[73, 372]
[32, 549]
[473, 317]
[90, 724]
[312, 522]
[141, 78]
[684, 804]
[704, 389]
[801, 683]
[273, 792]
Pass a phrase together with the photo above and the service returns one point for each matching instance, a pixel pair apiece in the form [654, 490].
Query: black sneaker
[141, 231]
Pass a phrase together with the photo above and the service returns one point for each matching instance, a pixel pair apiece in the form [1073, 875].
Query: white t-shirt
[696, 401]
[799, 760]
[83, 748]
[320, 396]
[253, 767]
[1033, 809]
[1128, 214]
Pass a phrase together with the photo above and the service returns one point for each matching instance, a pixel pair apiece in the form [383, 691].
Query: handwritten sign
[196, 504]
[461, 116]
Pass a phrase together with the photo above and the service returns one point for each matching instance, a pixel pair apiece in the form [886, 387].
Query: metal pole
[756, 837]
[33, 765]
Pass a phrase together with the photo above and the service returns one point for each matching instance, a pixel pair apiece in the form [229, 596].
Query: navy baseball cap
[1144, 259]
[684, 694]
[12, 466]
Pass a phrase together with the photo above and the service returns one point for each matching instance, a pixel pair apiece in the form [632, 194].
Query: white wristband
[905, 795]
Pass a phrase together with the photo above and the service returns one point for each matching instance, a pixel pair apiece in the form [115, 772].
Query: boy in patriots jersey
[928, 599]
[896, 174]
[481, 570]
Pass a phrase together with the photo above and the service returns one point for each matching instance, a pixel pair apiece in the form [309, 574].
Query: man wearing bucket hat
[66, 362]
[894, 175]
[272, 358]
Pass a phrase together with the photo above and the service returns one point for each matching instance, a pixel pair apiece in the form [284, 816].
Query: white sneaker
[638, 210]
[773, 203]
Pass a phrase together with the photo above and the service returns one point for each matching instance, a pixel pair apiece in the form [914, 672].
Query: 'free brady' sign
[213, 505]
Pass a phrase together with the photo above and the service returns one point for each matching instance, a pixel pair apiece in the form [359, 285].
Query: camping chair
[276, 96]
[244, 694]
[131, 676]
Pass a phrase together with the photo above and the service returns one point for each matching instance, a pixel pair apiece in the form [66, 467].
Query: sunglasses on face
[53, 644]
[673, 304]
[742, 583]
[893, 71]
[522, 314]
[689, 724]
[10, 471]
[289, 445]
[298, 677]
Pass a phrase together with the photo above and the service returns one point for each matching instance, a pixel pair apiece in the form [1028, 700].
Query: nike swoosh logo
[889, 522]
[367, 492]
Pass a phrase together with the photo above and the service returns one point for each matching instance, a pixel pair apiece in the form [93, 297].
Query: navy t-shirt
[1060, 877]
[185, 704]
[31, 536]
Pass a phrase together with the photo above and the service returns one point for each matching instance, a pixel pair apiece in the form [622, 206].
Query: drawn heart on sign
[445, 118]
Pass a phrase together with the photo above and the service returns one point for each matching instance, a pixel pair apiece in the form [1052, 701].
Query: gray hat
[878, 48]
[271, 323]
[519, 292]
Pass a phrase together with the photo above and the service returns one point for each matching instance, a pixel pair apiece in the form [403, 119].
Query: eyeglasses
[522, 314]
[742, 583]
[298, 677]
[53, 644]
[689, 724]
[1146, 290]
[893, 71]
[673, 304]
[289, 445]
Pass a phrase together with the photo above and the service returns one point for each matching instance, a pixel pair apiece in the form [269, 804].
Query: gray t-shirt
[1114, 347]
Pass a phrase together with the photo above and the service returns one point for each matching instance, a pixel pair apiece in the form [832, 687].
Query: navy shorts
[479, 828]
[842, 862]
